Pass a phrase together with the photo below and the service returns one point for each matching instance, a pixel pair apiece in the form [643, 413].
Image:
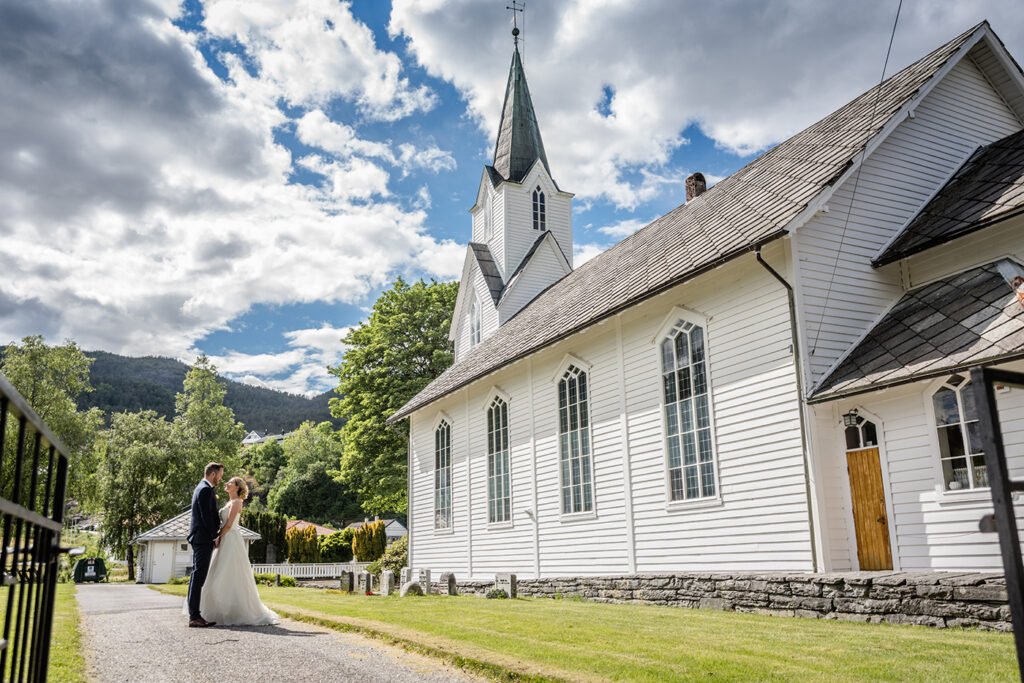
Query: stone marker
[425, 581]
[387, 582]
[507, 583]
[365, 582]
[411, 588]
[450, 587]
[406, 575]
[346, 582]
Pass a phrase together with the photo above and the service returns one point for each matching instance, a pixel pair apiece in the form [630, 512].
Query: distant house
[321, 530]
[254, 438]
[164, 551]
[392, 527]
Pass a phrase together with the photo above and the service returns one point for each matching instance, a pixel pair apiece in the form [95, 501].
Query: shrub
[496, 593]
[178, 580]
[271, 527]
[271, 580]
[369, 541]
[395, 557]
[336, 547]
[303, 545]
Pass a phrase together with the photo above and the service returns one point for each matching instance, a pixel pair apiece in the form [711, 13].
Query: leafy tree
[306, 486]
[303, 545]
[390, 358]
[264, 461]
[52, 379]
[140, 479]
[395, 557]
[271, 527]
[336, 547]
[369, 541]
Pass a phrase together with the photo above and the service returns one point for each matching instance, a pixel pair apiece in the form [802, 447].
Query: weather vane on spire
[516, 7]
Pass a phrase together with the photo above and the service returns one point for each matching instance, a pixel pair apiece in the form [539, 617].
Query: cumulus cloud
[623, 228]
[146, 202]
[615, 83]
[581, 253]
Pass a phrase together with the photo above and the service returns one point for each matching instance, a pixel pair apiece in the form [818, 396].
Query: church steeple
[519, 144]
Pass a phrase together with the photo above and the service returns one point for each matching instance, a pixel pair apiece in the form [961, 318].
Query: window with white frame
[574, 441]
[443, 476]
[956, 421]
[499, 479]
[691, 457]
[474, 323]
[540, 212]
[488, 218]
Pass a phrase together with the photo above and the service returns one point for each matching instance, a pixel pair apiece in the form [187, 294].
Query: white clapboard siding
[985, 246]
[761, 522]
[543, 270]
[518, 217]
[478, 289]
[933, 529]
[961, 113]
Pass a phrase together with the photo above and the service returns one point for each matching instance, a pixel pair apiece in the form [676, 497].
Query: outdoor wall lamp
[850, 418]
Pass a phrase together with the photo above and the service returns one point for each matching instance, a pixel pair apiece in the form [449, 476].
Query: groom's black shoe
[201, 623]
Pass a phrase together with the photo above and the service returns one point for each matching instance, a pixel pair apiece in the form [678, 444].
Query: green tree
[369, 541]
[205, 429]
[264, 461]
[139, 479]
[306, 486]
[53, 379]
[303, 545]
[336, 547]
[390, 358]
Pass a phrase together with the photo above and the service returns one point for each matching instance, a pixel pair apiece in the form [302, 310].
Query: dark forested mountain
[121, 383]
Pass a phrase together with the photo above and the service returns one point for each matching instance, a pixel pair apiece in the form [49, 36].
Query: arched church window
[474, 323]
[488, 218]
[443, 476]
[540, 214]
[499, 476]
[956, 421]
[574, 442]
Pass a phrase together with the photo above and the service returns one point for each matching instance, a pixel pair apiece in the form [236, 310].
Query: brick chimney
[695, 185]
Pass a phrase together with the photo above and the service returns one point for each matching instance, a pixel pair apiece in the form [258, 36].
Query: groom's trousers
[201, 556]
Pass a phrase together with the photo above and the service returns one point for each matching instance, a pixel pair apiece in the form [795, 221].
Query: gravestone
[387, 582]
[406, 575]
[271, 556]
[448, 583]
[425, 581]
[411, 588]
[365, 582]
[507, 583]
[346, 582]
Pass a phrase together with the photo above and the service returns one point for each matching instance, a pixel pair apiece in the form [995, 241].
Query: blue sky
[242, 178]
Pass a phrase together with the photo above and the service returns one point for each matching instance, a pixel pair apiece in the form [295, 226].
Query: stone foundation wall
[929, 599]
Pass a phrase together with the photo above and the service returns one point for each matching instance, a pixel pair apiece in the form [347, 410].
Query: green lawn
[553, 639]
[67, 663]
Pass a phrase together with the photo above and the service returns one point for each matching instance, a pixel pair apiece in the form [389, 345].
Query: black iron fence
[1004, 520]
[33, 475]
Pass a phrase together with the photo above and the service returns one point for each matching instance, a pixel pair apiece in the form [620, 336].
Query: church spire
[519, 144]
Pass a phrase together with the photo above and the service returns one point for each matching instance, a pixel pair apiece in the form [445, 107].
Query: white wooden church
[769, 377]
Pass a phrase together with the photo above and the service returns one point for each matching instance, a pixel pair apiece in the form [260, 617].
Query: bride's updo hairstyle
[243, 489]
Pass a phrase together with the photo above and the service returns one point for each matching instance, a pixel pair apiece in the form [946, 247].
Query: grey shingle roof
[988, 188]
[749, 208]
[489, 269]
[962, 320]
[177, 528]
[519, 144]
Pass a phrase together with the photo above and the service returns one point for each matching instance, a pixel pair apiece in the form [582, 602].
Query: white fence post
[318, 570]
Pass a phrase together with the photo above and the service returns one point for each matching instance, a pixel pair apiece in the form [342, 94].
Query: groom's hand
[216, 542]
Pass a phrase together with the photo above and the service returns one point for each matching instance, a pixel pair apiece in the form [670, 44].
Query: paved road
[133, 634]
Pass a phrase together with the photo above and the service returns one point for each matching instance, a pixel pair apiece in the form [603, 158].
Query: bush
[369, 541]
[271, 580]
[395, 557]
[336, 547]
[178, 580]
[303, 545]
[271, 527]
[496, 593]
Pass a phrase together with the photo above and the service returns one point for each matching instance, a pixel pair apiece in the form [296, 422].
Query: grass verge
[537, 639]
[67, 660]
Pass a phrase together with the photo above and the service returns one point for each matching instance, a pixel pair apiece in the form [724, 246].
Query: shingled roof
[987, 189]
[176, 529]
[962, 320]
[748, 209]
[489, 269]
[519, 144]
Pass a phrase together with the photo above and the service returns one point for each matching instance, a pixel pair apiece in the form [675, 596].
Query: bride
[229, 595]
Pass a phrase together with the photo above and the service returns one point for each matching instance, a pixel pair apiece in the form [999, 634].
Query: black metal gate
[984, 382]
[33, 475]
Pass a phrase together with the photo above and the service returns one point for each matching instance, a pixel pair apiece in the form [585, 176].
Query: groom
[202, 534]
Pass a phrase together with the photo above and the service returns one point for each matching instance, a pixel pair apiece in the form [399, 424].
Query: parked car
[90, 569]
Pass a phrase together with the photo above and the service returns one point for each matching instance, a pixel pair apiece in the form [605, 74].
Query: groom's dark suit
[201, 534]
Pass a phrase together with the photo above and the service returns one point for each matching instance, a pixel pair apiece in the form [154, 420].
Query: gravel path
[132, 633]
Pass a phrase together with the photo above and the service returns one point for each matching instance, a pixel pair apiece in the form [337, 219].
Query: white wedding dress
[229, 594]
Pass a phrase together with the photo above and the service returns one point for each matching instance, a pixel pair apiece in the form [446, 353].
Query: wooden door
[870, 519]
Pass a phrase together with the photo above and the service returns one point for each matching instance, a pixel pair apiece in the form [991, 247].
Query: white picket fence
[312, 570]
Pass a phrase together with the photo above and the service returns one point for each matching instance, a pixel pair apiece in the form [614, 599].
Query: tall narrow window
[488, 217]
[443, 476]
[956, 420]
[691, 458]
[474, 323]
[574, 440]
[540, 213]
[499, 480]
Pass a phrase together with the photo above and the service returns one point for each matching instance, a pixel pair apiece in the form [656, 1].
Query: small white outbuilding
[163, 552]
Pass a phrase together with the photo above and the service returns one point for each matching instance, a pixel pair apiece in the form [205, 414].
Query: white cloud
[316, 130]
[581, 253]
[748, 74]
[623, 228]
[431, 158]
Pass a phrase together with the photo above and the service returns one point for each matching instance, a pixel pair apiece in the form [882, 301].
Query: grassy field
[565, 639]
[67, 662]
